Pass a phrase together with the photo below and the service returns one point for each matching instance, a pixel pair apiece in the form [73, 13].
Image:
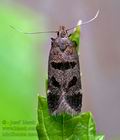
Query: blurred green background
[21, 77]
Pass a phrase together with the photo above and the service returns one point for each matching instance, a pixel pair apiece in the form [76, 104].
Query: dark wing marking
[72, 64]
[63, 65]
[53, 101]
[72, 82]
[55, 82]
[75, 101]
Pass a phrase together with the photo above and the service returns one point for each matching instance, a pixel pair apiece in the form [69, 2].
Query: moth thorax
[62, 32]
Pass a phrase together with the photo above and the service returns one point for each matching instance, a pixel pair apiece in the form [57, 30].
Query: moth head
[62, 32]
[61, 43]
[62, 40]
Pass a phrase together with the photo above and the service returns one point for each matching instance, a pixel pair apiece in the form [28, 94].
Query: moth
[64, 93]
[64, 80]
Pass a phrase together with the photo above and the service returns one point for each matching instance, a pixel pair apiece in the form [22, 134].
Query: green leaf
[75, 36]
[64, 127]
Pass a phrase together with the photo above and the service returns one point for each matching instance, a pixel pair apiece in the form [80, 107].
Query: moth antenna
[31, 32]
[86, 22]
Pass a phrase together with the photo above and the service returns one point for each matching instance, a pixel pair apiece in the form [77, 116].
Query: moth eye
[72, 82]
[52, 41]
[54, 82]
